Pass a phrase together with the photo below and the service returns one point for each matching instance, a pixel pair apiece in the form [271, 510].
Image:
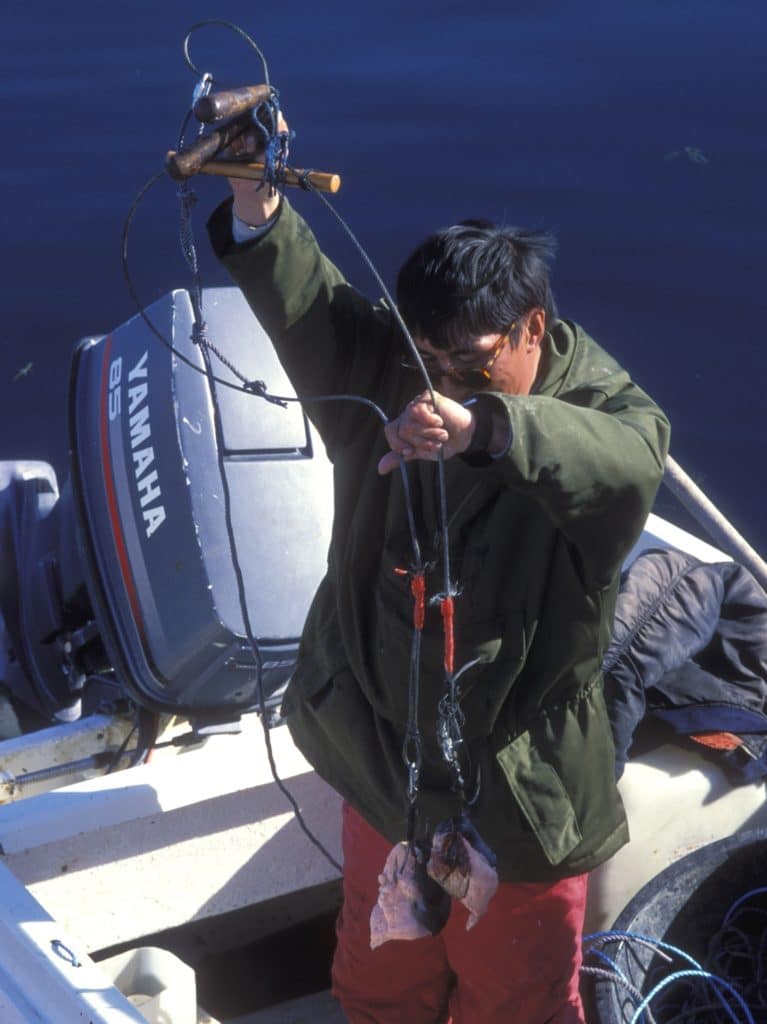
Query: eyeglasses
[471, 376]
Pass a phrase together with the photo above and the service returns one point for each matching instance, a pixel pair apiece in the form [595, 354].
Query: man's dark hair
[472, 279]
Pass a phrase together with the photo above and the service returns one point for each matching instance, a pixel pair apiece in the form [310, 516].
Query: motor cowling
[187, 501]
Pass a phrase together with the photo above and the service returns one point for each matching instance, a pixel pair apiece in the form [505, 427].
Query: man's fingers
[389, 462]
[428, 450]
[251, 142]
[405, 431]
[247, 142]
[418, 433]
[391, 430]
[422, 409]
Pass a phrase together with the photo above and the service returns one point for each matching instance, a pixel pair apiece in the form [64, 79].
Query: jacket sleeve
[592, 455]
[330, 338]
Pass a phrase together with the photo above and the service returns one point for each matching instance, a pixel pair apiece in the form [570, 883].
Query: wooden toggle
[232, 107]
[191, 159]
[322, 181]
[230, 103]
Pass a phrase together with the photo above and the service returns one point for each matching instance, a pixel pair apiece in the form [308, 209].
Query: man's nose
[446, 366]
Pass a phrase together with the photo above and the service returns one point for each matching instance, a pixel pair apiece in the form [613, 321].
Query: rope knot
[447, 611]
[418, 590]
[200, 333]
[258, 387]
[186, 196]
[275, 143]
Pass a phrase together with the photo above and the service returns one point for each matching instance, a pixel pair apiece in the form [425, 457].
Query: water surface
[634, 132]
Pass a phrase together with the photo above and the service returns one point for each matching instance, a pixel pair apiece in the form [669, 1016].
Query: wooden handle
[189, 161]
[230, 103]
[321, 180]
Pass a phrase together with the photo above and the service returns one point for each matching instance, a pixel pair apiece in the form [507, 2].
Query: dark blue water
[634, 131]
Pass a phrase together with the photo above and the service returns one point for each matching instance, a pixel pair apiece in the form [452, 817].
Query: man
[552, 460]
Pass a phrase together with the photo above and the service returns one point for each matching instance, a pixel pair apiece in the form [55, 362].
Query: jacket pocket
[541, 795]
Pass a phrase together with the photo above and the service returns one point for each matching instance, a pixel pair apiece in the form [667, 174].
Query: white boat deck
[178, 840]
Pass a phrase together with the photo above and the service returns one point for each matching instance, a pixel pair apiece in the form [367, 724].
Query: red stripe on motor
[109, 486]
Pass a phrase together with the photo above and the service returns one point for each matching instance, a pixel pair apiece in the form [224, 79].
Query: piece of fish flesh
[410, 905]
[464, 866]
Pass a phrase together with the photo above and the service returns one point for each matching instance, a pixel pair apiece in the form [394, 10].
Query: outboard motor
[185, 498]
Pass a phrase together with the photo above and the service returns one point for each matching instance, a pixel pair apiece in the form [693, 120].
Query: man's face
[495, 362]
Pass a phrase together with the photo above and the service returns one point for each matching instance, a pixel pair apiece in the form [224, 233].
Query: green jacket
[537, 539]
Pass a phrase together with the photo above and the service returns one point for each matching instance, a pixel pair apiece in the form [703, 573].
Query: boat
[150, 630]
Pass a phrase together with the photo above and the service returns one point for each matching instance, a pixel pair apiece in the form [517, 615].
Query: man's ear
[536, 328]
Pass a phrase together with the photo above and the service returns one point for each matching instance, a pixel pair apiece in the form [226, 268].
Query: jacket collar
[558, 345]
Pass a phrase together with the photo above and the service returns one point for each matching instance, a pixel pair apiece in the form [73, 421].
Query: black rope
[120, 752]
[224, 24]
[256, 388]
[450, 715]
[252, 642]
[451, 718]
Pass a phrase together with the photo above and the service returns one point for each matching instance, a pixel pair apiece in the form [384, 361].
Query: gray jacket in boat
[536, 538]
[689, 649]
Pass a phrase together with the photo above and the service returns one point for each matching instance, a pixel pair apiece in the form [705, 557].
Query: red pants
[518, 965]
